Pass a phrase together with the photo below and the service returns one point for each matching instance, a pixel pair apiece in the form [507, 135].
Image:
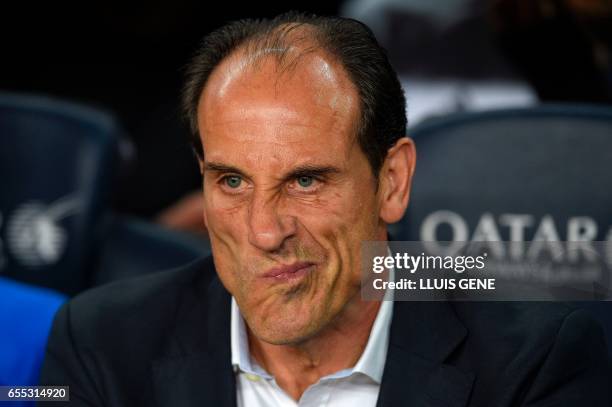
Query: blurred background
[98, 182]
[126, 58]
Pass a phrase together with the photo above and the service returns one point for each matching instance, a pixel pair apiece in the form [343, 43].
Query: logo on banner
[34, 232]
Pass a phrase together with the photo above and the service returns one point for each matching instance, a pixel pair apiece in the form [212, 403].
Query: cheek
[226, 228]
[224, 216]
[349, 212]
[340, 223]
[355, 223]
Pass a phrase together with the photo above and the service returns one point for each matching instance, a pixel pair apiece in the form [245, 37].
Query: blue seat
[518, 174]
[26, 313]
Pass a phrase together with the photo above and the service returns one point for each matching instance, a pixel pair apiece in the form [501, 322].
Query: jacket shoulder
[136, 307]
[104, 341]
[517, 330]
[529, 349]
[519, 320]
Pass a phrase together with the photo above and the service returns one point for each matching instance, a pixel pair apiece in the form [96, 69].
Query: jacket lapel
[197, 369]
[423, 335]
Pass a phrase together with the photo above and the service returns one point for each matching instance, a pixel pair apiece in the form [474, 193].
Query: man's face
[288, 194]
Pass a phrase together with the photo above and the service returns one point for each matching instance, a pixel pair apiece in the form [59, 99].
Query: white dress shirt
[356, 386]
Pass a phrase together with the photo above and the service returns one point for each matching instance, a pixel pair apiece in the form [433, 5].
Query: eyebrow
[300, 171]
[311, 171]
[219, 167]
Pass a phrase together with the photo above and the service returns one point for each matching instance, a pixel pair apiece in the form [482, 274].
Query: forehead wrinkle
[248, 137]
[252, 113]
[282, 140]
[279, 152]
[238, 121]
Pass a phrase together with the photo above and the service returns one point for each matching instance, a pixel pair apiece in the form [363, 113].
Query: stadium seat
[56, 169]
[26, 313]
[57, 230]
[133, 247]
[520, 174]
[58, 161]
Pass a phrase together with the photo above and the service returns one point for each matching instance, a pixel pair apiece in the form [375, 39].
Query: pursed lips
[289, 272]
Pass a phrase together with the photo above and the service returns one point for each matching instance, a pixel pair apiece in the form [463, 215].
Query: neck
[339, 346]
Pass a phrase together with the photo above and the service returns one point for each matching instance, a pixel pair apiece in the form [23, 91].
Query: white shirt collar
[371, 362]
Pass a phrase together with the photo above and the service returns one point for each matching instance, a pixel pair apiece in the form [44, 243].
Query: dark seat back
[57, 161]
[134, 247]
[540, 173]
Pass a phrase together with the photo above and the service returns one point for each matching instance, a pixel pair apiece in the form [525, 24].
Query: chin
[285, 332]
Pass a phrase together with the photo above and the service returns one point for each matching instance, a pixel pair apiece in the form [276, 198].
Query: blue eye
[233, 181]
[305, 181]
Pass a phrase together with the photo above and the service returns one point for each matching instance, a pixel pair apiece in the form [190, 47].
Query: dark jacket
[164, 340]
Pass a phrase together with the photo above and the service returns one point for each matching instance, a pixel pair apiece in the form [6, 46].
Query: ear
[396, 179]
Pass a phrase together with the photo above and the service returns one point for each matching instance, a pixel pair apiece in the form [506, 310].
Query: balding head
[289, 39]
[279, 81]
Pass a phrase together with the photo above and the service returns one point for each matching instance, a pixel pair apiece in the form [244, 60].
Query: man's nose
[268, 226]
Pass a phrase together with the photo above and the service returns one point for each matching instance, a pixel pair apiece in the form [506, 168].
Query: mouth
[289, 272]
